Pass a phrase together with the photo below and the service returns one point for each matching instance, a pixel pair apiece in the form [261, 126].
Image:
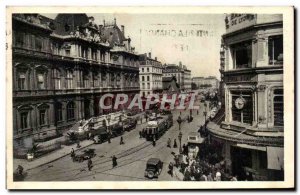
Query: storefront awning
[246, 146]
[275, 158]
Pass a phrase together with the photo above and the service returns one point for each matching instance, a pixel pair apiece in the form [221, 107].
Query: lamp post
[205, 114]
[179, 122]
[179, 138]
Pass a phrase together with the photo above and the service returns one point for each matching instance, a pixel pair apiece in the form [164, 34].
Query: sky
[193, 39]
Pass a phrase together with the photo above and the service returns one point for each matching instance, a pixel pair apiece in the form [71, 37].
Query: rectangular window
[242, 107]
[38, 43]
[42, 117]
[275, 48]
[148, 84]
[262, 156]
[242, 55]
[24, 120]
[67, 52]
[278, 107]
[21, 81]
[20, 39]
[148, 78]
[59, 114]
[143, 79]
[142, 69]
[41, 81]
[69, 83]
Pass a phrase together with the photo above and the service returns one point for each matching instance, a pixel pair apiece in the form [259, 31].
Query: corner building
[251, 131]
[61, 69]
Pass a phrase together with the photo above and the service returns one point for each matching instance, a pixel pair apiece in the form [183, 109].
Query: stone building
[210, 82]
[61, 68]
[150, 75]
[181, 73]
[251, 131]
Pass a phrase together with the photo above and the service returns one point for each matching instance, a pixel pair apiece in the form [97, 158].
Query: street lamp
[205, 114]
[179, 138]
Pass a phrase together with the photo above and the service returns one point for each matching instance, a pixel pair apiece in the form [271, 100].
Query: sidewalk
[65, 150]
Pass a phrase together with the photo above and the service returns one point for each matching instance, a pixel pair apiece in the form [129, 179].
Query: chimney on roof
[123, 29]
[149, 54]
[115, 20]
[104, 22]
[180, 64]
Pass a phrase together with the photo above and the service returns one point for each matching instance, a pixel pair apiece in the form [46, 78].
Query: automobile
[153, 168]
[129, 124]
[84, 155]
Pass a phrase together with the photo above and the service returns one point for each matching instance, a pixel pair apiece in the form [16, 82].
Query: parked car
[129, 124]
[84, 155]
[153, 168]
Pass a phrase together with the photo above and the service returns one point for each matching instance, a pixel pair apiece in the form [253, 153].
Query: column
[261, 106]
[261, 47]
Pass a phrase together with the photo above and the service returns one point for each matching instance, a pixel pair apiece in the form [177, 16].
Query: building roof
[230, 135]
[113, 35]
[66, 23]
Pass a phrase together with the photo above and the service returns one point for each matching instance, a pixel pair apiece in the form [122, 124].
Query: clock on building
[240, 103]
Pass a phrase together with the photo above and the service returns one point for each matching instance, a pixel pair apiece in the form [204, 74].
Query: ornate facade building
[252, 130]
[150, 75]
[62, 67]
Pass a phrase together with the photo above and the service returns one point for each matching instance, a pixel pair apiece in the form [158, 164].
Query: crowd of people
[207, 166]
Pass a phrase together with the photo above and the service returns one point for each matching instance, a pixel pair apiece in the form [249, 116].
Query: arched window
[86, 80]
[69, 79]
[57, 79]
[278, 107]
[24, 117]
[70, 111]
[41, 80]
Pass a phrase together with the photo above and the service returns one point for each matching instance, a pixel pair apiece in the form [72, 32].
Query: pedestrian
[197, 112]
[90, 164]
[234, 178]
[169, 143]
[153, 142]
[175, 144]
[218, 176]
[72, 153]
[209, 177]
[20, 170]
[114, 161]
[121, 140]
[140, 134]
[141, 118]
[146, 116]
[108, 138]
[171, 168]
[78, 144]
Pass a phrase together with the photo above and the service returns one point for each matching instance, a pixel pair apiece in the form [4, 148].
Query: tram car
[156, 128]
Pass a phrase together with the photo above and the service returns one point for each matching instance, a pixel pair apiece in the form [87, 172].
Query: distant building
[210, 82]
[251, 131]
[150, 75]
[181, 73]
[170, 85]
